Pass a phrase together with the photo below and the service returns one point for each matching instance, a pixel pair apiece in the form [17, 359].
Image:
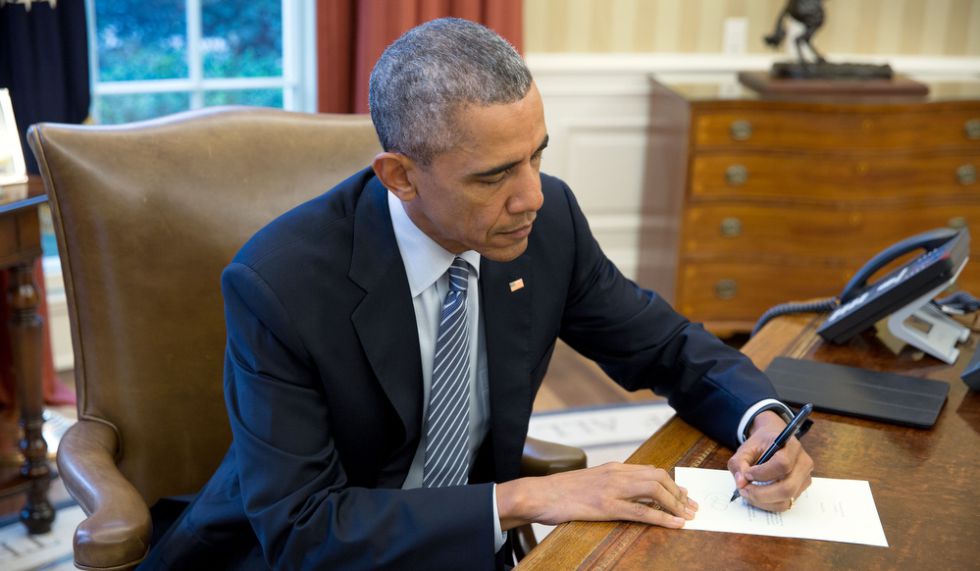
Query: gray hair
[426, 76]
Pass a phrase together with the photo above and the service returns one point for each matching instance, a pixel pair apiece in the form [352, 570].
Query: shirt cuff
[768, 404]
[499, 537]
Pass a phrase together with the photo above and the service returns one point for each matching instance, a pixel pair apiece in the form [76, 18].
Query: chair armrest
[116, 534]
[542, 458]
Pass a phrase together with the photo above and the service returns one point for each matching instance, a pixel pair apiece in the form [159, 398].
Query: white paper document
[830, 509]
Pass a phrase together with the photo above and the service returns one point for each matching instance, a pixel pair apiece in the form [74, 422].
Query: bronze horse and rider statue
[810, 13]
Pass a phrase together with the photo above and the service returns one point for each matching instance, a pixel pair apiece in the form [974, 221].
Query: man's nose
[527, 197]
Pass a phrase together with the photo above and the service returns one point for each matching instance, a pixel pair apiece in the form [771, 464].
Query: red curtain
[351, 34]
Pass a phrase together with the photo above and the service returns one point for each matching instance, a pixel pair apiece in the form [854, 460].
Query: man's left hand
[787, 473]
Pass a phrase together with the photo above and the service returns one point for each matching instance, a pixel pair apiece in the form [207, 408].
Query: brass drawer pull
[741, 130]
[736, 175]
[972, 129]
[731, 227]
[957, 222]
[726, 289]
[966, 174]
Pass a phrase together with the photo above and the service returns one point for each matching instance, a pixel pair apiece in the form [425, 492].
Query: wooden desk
[20, 247]
[925, 482]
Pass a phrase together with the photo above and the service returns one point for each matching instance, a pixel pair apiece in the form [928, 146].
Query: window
[155, 58]
[148, 59]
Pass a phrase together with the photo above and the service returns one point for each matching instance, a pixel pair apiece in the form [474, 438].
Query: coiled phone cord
[818, 306]
[958, 303]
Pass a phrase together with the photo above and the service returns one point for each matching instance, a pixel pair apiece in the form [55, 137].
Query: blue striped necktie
[447, 423]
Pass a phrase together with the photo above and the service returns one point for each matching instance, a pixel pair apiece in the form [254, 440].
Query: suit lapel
[385, 318]
[507, 318]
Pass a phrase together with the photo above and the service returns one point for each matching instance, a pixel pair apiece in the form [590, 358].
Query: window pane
[257, 97]
[138, 106]
[141, 40]
[242, 38]
[49, 244]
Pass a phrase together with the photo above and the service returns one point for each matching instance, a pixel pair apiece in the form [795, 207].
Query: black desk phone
[863, 304]
[904, 292]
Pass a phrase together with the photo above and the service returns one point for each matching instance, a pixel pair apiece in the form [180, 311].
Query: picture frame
[13, 169]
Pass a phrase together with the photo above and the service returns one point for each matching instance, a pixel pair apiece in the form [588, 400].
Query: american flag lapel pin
[516, 285]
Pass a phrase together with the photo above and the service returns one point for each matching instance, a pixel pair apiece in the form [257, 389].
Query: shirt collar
[425, 260]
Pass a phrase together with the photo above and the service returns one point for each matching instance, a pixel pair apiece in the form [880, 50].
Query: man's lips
[520, 232]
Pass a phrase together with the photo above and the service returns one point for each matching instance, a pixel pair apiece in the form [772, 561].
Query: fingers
[779, 466]
[777, 497]
[641, 512]
[741, 461]
[627, 492]
[780, 494]
[654, 487]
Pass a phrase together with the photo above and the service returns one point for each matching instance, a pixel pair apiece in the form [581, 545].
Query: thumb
[740, 464]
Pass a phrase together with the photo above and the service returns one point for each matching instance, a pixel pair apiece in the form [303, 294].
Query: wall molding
[578, 74]
[602, 95]
[597, 106]
[544, 64]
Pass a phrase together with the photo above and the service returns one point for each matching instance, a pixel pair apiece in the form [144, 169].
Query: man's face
[484, 193]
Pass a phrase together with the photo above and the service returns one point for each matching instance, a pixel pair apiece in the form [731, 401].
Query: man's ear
[393, 170]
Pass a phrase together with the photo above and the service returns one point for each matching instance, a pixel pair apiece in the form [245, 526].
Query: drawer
[827, 129]
[722, 291]
[739, 230]
[794, 176]
[727, 292]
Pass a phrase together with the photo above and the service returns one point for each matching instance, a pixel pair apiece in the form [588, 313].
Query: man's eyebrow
[501, 168]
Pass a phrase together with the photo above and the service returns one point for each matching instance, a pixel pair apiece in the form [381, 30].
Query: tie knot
[459, 274]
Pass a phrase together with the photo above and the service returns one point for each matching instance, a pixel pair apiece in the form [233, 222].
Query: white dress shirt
[426, 264]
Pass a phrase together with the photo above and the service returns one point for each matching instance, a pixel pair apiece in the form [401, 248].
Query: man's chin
[505, 254]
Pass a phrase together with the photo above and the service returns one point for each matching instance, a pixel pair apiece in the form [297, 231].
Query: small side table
[20, 247]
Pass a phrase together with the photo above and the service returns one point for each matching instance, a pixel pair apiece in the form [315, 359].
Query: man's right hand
[613, 491]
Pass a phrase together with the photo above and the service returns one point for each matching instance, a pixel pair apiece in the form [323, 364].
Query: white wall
[598, 116]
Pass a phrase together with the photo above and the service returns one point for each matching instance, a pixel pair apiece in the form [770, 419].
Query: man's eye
[496, 179]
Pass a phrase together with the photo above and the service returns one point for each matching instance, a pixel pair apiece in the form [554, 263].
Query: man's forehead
[491, 133]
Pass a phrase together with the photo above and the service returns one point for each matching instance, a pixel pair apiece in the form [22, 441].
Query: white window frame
[299, 70]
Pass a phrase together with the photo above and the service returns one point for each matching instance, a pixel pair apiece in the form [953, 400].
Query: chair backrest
[147, 215]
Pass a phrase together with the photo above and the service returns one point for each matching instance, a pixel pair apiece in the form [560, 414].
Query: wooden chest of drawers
[783, 200]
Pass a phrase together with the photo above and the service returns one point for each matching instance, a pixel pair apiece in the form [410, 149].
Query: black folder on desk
[888, 397]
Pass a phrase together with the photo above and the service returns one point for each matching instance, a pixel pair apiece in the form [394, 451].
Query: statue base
[773, 87]
[828, 70]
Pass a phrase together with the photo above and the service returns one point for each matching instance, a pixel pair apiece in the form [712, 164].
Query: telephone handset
[926, 241]
[904, 292]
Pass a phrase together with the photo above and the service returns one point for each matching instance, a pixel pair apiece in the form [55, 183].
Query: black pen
[782, 439]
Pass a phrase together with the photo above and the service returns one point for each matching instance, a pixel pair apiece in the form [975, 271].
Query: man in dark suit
[386, 341]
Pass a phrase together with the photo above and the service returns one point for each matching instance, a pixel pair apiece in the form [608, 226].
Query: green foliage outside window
[141, 39]
[147, 40]
[242, 39]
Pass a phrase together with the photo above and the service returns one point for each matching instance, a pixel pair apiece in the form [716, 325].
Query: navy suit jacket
[323, 385]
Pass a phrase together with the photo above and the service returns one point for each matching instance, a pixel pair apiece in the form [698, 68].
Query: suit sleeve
[640, 341]
[292, 480]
